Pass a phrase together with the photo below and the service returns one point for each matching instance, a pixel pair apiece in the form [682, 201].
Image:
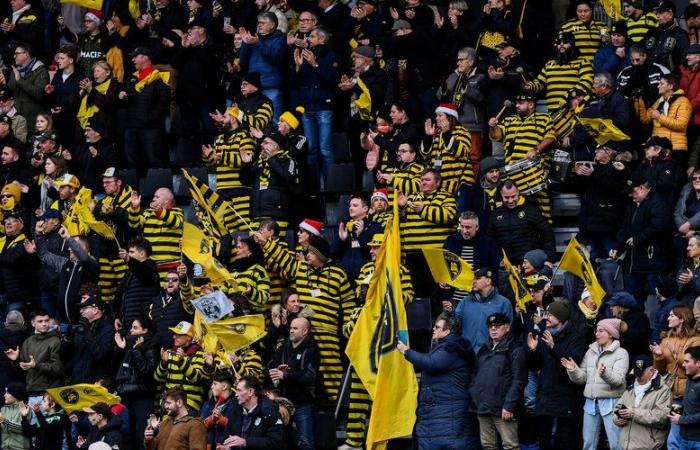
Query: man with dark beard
[181, 430]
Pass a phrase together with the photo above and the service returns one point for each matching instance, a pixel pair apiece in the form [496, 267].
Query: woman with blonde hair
[668, 357]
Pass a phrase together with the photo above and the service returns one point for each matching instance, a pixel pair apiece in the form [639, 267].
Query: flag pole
[556, 268]
[247, 224]
[343, 389]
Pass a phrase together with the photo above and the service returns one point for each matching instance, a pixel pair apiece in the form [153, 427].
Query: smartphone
[227, 21]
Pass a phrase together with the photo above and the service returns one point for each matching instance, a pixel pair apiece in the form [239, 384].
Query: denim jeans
[276, 96]
[674, 440]
[641, 285]
[318, 129]
[47, 301]
[140, 407]
[304, 422]
[685, 444]
[591, 430]
[533, 380]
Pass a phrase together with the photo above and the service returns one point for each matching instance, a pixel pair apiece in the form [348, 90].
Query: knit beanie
[559, 309]
[17, 390]
[536, 257]
[319, 247]
[611, 326]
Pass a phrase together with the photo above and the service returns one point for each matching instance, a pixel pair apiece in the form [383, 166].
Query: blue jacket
[217, 434]
[316, 85]
[473, 312]
[353, 252]
[606, 60]
[486, 253]
[267, 58]
[443, 401]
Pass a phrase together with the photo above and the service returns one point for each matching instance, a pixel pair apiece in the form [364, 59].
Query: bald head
[163, 199]
[298, 330]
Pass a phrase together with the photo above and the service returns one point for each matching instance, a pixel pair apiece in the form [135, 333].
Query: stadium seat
[130, 177]
[180, 186]
[368, 181]
[341, 179]
[154, 179]
[187, 152]
[341, 147]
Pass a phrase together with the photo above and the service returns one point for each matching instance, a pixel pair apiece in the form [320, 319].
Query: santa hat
[94, 15]
[311, 226]
[448, 109]
[380, 193]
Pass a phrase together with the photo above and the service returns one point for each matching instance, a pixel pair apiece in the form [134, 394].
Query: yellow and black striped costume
[406, 179]
[637, 29]
[277, 283]
[250, 364]
[381, 218]
[257, 110]
[255, 277]
[430, 227]
[162, 230]
[520, 135]
[112, 268]
[360, 403]
[564, 119]
[188, 372]
[587, 35]
[228, 147]
[327, 292]
[449, 154]
[558, 79]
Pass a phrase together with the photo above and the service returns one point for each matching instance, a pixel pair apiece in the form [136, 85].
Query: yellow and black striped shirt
[256, 278]
[558, 79]
[228, 168]
[637, 29]
[449, 154]
[250, 364]
[325, 290]
[259, 118]
[587, 35]
[430, 227]
[188, 372]
[163, 231]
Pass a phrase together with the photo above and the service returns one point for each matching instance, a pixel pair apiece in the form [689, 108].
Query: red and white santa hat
[382, 193]
[311, 226]
[94, 15]
[447, 108]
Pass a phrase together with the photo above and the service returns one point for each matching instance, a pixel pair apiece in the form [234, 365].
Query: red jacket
[690, 83]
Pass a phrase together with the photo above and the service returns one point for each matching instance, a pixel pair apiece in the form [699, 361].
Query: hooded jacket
[109, 434]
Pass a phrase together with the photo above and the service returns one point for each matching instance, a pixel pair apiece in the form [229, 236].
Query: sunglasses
[171, 280]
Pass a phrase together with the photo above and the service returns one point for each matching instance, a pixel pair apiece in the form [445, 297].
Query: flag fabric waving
[575, 260]
[214, 207]
[79, 396]
[602, 130]
[522, 295]
[449, 268]
[197, 247]
[613, 9]
[98, 226]
[230, 334]
[89, 4]
[388, 377]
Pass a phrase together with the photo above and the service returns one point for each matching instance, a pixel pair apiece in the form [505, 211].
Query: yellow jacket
[672, 125]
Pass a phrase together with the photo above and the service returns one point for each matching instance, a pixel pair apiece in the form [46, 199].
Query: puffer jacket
[92, 349]
[135, 374]
[29, 92]
[679, 214]
[649, 425]
[443, 401]
[671, 360]
[611, 384]
[146, 108]
[672, 125]
[139, 286]
[267, 58]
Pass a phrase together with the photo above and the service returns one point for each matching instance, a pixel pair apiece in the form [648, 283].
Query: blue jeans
[318, 129]
[47, 301]
[533, 380]
[674, 440]
[685, 444]
[304, 422]
[591, 430]
[640, 285]
[277, 98]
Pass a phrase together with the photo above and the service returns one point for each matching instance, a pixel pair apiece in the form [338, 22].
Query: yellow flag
[363, 101]
[197, 247]
[238, 332]
[99, 227]
[613, 9]
[575, 260]
[79, 396]
[602, 130]
[90, 4]
[449, 268]
[522, 295]
[389, 379]
[207, 339]
[210, 202]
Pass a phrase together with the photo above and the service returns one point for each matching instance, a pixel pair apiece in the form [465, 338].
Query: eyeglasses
[696, 178]
[171, 279]
[5, 195]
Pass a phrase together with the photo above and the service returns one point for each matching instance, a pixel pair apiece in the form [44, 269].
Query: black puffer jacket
[17, 269]
[135, 373]
[262, 428]
[501, 375]
[166, 312]
[91, 346]
[148, 108]
[273, 181]
[603, 202]
[649, 224]
[134, 296]
[299, 384]
[521, 229]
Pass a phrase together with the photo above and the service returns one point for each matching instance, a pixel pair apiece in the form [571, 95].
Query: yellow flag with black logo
[99, 227]
[89, 4]
[522, 295]
[449, 268]
[387, 376]
[78, 396]
[198, 248]
[210, 202]
[613, 9]
[575, 260]
[602, 130]
[238, 332]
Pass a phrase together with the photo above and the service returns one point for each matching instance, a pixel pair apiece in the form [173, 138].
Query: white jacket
[612, 383]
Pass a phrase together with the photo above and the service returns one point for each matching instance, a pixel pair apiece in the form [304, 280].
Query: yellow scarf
[153, 76]
[85, 112]
[590, 314]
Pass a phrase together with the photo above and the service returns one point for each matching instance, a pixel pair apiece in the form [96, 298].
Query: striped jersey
[256, 278]
[637, 29]
[587, 35]
[430, 227]
[188, 373]
[228, 146]
[406, 179]
[449, 154]
[558, 79]
[163, 230]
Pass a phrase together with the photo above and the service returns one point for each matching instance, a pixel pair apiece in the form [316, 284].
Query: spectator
[17, 292]
[639, 21]
[105, 426]
[181, 432]
[603, 371]
[667, 294]
[19, 122]
[641, 78]
[671, 41]
[24, 24]
[63, 92]
[686, 217]
[218, 408]
[500, 362]
[12, 334]
[49, 425]
[613, 57]
[354, 235]
[99, 98]
[443, 417]
[139, 286]
[171, 306]
[635, 330]
[687, 277]
[641, 413]
[686, 418]
[27, 80]
[13, 435]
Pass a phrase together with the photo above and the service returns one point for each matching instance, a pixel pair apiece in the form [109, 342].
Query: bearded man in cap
[613, 57]
[91, 343]
[325, 288]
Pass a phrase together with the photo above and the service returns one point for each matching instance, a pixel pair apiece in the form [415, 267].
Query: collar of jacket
[655, 384]
[502, 346]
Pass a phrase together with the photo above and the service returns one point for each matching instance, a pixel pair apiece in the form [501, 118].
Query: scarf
[23, 71]
[589, 314]
[664, 105]
[640, 390]
[148, 76]
[85, 112]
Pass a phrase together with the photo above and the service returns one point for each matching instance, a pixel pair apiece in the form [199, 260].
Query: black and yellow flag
[89, 4]
[602, 130]
[575, 260]
[388, 377]
[449, 268]
[522, 295]
[210, 202]
[198, 249]
[78, 396]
